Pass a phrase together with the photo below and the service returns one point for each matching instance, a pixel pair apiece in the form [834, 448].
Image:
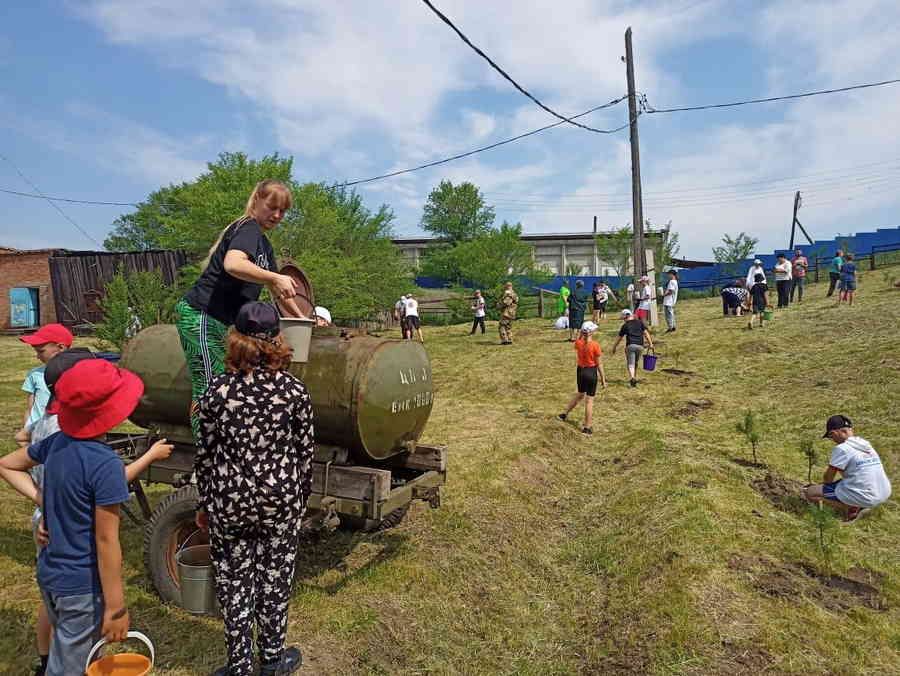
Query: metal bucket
[198, 590]
[298, 334]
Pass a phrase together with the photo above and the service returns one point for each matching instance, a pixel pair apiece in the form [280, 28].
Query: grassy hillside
[653, 547]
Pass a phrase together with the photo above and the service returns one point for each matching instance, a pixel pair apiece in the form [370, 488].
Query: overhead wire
[484, 148]
[49, 200]
[69, 200]
[506, 76]
[650, 110]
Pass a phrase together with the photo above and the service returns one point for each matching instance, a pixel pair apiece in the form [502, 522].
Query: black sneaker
[291, 660]
[562, 416]
[633, 382]
[587, 430]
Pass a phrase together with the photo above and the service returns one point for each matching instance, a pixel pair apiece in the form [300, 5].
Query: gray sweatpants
[76, 622]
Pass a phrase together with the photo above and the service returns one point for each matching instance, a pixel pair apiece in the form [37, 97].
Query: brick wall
[26, 270]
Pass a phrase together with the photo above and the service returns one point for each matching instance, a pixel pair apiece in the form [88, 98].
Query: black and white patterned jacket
[254, 461]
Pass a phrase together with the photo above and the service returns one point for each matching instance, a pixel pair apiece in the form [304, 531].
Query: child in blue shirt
[48, 341]
[80, 569]
[848, 280]
[47, 426]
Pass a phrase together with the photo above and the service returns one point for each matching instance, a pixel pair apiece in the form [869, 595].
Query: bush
[132, 301]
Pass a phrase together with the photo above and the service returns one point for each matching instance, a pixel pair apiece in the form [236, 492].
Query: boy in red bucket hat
[80, 569]
[48, 341]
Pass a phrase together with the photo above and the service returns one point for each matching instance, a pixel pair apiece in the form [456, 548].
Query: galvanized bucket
[298, 334]
[195, 571]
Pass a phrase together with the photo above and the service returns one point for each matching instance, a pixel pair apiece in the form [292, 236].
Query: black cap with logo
[836, 422]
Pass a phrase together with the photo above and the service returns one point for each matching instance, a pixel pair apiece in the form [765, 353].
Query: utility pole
[795, 222]
[637, 207]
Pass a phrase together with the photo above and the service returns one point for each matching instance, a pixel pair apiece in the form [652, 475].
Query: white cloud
[355, 89]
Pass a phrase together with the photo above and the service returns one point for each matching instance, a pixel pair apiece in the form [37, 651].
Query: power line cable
[71, 201]
[647, 108]
[652, 196]
[52, 203]
[483, 148]
[515, 84]
[726, 185]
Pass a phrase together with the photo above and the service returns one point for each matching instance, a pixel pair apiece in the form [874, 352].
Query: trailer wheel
[170, 525]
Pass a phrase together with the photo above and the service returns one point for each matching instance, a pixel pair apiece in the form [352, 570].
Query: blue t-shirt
[848, 272]
[34, 384]
[79, 475]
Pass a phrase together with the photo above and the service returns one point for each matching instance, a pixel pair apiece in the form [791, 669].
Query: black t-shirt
[633, 330]
[758, 294]
[219, 294]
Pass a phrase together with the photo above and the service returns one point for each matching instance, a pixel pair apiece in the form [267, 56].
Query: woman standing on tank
[239, 264]
[254, 476]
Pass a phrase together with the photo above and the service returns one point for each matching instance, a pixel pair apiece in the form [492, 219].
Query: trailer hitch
[431, 494]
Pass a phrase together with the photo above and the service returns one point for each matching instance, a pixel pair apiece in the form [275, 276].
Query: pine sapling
[808, 448]
[825, 522]
[750, 429]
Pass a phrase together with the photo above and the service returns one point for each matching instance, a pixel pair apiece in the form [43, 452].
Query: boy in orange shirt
[590, 365]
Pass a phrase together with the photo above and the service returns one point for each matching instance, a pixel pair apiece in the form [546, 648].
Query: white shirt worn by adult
[671, 296]
[864, 483]
[751, 275]
[412, 307]
[783, 271]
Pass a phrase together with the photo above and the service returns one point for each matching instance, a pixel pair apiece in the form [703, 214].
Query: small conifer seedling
[808, 448]
[749, 427]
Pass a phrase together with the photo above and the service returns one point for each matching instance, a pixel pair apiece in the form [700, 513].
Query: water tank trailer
[371, 399]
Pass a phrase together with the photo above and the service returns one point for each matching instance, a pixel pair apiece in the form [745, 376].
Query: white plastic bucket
[298, 333]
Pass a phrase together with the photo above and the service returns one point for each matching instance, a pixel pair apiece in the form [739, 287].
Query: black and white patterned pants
[254, 571]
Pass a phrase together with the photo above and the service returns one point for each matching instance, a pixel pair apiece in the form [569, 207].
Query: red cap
[50, 333]
[94, 396]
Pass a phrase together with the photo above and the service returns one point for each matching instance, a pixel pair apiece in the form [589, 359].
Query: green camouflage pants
[203, 342]
[506, 330]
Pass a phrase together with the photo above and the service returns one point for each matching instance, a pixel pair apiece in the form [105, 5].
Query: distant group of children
[406, 311]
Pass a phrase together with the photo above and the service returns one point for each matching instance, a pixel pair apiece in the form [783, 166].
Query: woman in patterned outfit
[238, 265]
[254, 475]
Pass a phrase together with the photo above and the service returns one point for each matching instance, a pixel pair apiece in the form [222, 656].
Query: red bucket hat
[50, 333]
[94, 396]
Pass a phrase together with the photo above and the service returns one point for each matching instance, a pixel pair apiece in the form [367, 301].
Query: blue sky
[109, 99]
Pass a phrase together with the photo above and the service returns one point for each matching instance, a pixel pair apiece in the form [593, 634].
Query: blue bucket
[108, 356]
[649, 362]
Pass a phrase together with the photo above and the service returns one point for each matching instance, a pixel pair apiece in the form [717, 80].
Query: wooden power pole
[637, 207]
[795, 223]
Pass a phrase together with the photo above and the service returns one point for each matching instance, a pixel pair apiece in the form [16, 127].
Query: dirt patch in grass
[741, 658]
[784, 494]
[677, 372]
[756, 347]
[794, 580]
[692, 408]
[697, 484]
[743, 462]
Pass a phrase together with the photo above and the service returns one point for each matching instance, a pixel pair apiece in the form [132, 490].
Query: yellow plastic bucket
[121, 664]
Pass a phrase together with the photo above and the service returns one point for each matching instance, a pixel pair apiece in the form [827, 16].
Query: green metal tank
[370, 395]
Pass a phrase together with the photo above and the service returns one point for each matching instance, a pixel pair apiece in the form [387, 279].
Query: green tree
[456, 213]
[344, 248]
[615, 249]
[734, 249]
[191, 215]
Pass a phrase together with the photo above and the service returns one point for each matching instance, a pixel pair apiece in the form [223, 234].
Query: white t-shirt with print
[863, 482]
[783, 271]
[672, 298]
[645, 298]
[478, 305]
[412, 307]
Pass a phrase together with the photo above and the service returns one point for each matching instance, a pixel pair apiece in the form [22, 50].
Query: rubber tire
[170, 524]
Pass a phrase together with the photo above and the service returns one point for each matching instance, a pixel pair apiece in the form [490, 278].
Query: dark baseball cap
[836, 422]
[258, 320]
[58, 365]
